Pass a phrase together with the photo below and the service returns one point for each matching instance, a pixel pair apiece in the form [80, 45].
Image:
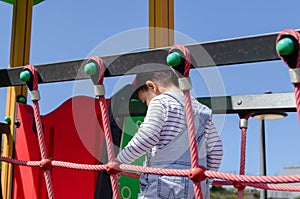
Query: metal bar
[263, 167]
[217, 53]
[281, 102]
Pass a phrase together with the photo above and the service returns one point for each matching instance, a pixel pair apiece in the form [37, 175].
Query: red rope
[109, 144]
[252, 179]
[243, 154]
[40, 133]
[297, 97]
[87, 167]
[223, 178]
[261, 182]
[106, 126]
[20, 162]
[297, 85]
[242, 159]
[259, 186]
[156, 171]
[190, 119]
[243, 151]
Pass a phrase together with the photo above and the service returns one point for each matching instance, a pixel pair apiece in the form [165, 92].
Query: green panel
[129, 187]
[12, 1]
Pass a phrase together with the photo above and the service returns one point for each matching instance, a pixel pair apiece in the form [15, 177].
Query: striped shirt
[164, 120]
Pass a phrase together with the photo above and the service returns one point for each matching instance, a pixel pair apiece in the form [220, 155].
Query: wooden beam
[161, 23]
[19, 56]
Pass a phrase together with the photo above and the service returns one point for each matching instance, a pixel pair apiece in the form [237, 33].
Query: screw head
[239, 102]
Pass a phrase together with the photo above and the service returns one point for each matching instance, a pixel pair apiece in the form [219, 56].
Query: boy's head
[151, 84]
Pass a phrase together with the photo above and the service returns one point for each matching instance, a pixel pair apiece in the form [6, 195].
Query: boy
[163, 137]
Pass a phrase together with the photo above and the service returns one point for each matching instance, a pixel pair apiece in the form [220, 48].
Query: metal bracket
[35, 95]
[99, 90]
[243, 123]
[185, 83]
[294, 75]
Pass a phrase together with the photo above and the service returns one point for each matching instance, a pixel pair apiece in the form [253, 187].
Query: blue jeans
[165, 187]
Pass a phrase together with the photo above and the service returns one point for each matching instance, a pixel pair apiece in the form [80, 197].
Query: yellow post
[161, 23]
[19, 56]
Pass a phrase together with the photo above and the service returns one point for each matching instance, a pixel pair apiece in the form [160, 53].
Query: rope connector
[238, 185]
[197, 174]
[99, 90]
[46, 164]
[35, 95]
[243, 123]
[185, 83]
[294, 75]
[112, 171]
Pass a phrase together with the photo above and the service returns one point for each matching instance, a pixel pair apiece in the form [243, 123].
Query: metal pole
[263, 168]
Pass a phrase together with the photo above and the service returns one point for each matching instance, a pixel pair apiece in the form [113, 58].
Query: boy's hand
[113, 167]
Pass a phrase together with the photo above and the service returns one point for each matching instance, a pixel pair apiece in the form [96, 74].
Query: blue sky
[68, 30]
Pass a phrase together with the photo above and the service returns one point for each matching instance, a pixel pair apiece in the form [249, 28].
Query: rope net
[196, 173]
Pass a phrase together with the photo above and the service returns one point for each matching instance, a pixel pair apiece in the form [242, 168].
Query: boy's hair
[164, 78]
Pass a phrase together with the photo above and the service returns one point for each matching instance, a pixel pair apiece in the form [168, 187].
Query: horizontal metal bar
[280, 102]
[217, 53]
[243, 104]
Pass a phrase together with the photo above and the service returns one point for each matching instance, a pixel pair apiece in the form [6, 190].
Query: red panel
[26, 179]
[72, 133]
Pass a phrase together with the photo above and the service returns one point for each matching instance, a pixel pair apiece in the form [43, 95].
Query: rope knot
[238, 185]
[95, 68]
[46, 164]
[30, 76]
[182, 50]
[111, 170]
[287, 48]
[197, 174]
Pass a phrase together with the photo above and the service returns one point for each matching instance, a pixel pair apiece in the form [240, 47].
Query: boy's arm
[147, 135]
[214, 146]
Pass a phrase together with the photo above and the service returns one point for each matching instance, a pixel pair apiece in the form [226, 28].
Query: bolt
[239, 102]
[18, 123]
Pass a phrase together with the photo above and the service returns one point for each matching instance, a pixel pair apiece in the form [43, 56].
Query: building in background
[288, 170]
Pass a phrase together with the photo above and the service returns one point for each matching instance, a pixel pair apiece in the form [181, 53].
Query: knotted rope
[45, 163]
[99, 92]
[190, 118]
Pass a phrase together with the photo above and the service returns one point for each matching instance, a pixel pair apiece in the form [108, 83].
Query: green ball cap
[7, 119]
[22, 99]
[285, 46]
[90, 68]
[174, 59]
[25, 76]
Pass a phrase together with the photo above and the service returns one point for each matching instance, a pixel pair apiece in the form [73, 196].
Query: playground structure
[245, 50]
